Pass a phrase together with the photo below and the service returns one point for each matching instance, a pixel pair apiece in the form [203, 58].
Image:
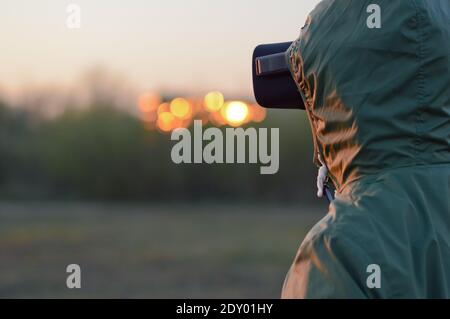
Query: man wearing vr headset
[378, 100]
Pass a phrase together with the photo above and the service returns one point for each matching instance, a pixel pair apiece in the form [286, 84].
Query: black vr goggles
[272, 81]
[274, 86]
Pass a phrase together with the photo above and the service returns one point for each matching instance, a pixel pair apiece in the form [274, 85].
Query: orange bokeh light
[167, 122]
[164, 108]
[181, 108]
[258, 114]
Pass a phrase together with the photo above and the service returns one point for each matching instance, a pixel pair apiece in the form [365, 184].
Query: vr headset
[272, 81]
[274, 86]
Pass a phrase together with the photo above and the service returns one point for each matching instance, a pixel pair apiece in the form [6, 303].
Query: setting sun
[236, 112]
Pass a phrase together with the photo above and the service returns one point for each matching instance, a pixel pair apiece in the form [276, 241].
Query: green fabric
[379, 106]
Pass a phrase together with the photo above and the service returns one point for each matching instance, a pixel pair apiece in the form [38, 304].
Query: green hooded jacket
[378, 100]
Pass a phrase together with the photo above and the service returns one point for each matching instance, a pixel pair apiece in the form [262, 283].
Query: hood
[377, 99]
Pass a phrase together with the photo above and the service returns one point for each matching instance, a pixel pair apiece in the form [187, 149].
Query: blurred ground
[149, 251]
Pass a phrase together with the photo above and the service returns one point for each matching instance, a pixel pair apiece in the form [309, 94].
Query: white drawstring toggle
[321, 178]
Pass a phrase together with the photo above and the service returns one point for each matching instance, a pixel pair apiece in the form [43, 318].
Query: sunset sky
[181, 45]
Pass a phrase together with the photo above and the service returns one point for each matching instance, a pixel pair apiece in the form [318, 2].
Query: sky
[188, 46]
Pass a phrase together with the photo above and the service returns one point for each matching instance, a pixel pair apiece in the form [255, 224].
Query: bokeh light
[163, 108]
[258, 114]
[236, 113]
[214, 101]
[167, 122]
[181, 108]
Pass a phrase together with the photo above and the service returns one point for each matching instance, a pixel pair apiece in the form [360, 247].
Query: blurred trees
[102, 153]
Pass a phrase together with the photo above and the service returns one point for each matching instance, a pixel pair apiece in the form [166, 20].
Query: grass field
[149, 251]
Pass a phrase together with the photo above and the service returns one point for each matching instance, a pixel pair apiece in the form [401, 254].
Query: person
[377, 94]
